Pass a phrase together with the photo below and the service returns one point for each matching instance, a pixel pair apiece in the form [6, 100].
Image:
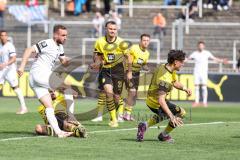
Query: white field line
[21, 138]
[129, 129]
[115, 130]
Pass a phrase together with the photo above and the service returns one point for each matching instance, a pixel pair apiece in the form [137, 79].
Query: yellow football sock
[120, 106]
[111, 108]
[128, 109]
[101, 103]
[153, 120]
[168, 129]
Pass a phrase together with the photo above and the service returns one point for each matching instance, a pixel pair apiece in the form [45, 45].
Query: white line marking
[20, 138]
[129, 129]
[115, 130]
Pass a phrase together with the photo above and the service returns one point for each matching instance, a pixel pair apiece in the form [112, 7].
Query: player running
[110, 52]
[8, 69]
[137, 60]
[40, 78]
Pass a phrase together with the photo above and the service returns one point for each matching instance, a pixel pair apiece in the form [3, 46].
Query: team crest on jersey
[43, 44]
[140, 61]
[111, 56]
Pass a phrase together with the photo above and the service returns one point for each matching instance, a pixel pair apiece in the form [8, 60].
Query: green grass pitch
[199, 139]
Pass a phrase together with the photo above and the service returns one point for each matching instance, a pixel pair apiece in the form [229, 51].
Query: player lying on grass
[66, 122]
[163, 80]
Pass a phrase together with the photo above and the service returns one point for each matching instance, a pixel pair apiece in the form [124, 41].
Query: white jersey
[6, 52]
[48, 53]
[201, 61]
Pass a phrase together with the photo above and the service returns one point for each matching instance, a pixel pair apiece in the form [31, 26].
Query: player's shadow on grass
[17, 133]
[134, 140]
[235, 137]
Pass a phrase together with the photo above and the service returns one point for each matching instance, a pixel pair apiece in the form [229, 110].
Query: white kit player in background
[48, 52]
[201, 57]
[8, 70]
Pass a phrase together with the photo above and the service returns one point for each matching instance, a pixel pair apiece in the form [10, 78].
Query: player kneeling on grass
[66, 122]
[163, 80]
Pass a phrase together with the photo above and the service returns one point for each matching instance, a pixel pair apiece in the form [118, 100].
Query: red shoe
[166, 138]
[141, 130]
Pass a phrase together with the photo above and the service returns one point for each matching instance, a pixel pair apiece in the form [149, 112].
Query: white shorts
[42, 81]
[9, 74]
[200, 79]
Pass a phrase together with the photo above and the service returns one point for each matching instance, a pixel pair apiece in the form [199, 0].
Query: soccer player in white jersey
[8, 69]
[48, 52]
[201, 57]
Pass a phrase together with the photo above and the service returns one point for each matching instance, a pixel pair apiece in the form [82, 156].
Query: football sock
[20, 98]
[196, 94]
[52, 120]
[68, 95]
[111, 108]
[128, 109]
[153, 120]
[168, 129]
[120, 106]
[205, 94]
[101, 103]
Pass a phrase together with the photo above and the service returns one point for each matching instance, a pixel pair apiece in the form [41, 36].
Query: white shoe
[22, 111]
[97, 119]
[210, 6]
[120, 118]
[64, 134]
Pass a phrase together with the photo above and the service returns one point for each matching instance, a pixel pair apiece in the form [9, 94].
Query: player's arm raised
[161, 100]
[220, 60]
[27, 53]
[180, 86]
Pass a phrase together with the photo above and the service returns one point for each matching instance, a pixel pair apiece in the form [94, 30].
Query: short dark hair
[1, 31]
[144, 35]
[57, 27]
[173, 55]
[201, 42]
[110, 22]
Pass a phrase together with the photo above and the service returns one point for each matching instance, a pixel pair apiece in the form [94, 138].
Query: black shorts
[113, 76]
[134, 82]
[61, 117]
[176, 110]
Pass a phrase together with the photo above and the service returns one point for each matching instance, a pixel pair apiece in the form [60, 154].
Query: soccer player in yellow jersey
[137, 60]
[66, 121]
[110, 51]
[163, 80]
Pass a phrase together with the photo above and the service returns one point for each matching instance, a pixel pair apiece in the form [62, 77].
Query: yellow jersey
[59, 105]
[140, 57]
[112, 52]
[162, 80]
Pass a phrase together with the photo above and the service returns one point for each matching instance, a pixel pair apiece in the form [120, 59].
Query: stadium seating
[219, 40]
